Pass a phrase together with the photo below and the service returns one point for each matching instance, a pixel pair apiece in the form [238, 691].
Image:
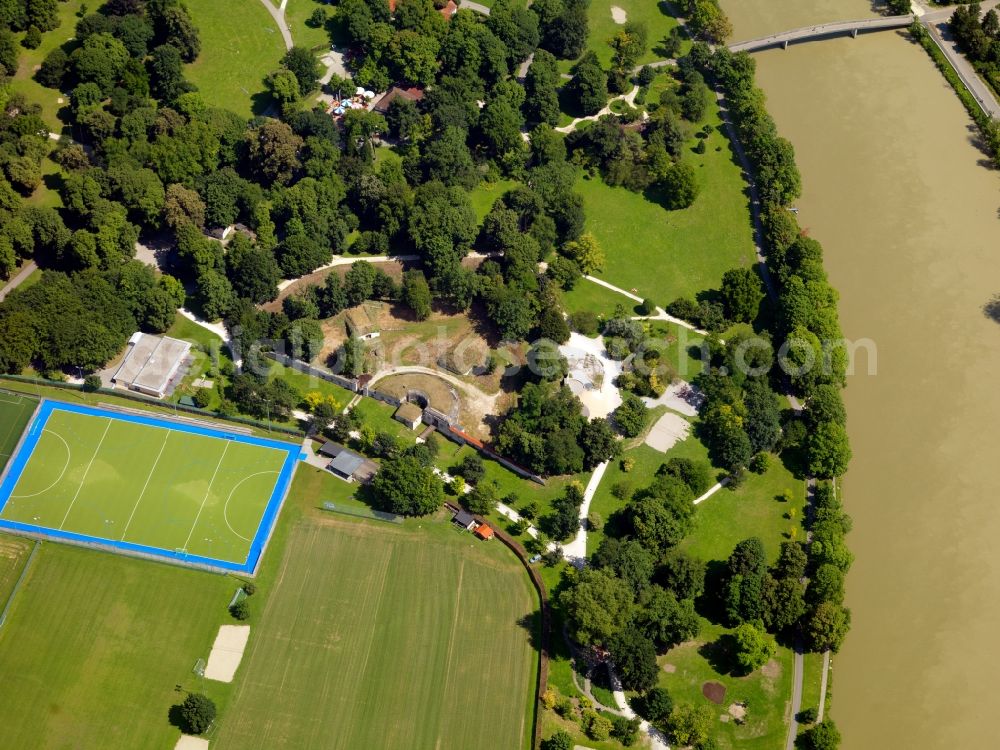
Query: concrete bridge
[823, 31]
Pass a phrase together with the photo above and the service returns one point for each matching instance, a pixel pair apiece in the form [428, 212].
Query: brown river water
[909, 217]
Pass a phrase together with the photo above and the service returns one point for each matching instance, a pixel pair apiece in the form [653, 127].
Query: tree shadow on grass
[176, 718]
[568, 102]
[532, 624]
[262, 103]
[709, 604]
[721, 655]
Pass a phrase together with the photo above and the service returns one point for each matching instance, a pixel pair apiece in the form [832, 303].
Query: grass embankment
[812, 679]
[240, 46]
[691, 248]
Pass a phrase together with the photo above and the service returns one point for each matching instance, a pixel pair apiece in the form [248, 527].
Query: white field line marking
[17, 402]
[225, 508]
[69, 455]
[207, 493]
[85, 473]
[146, 485]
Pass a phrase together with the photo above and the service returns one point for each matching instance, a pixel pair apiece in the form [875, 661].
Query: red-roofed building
[478, 444]
[484, 532]
[449, 10]
[413, 93]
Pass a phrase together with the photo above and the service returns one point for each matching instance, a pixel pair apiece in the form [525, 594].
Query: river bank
[896, 190]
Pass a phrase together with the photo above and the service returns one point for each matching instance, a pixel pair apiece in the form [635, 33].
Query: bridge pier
[784, 44]
[854, 33]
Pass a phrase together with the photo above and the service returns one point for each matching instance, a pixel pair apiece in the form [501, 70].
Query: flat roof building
[152, 364]
[347, 464]
[409, 414]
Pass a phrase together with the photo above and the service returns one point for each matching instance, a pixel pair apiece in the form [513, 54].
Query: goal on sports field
[199, 668]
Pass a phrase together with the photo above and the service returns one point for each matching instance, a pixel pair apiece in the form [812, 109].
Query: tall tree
[589, 85]
[541, 101]
[404, 486]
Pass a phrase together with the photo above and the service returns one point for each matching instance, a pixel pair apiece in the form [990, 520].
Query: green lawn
[44, 196]
[601, 301]
[15, 412]
[240, 46]
[812, 680]
[689, 249]
[95, 644]
[378, 414]
[753, 509]
[647, 461]
[297, 12]
[208, 354]
[407, 637]
[188, 330]
[485, 194]
[28, 59]
[306, 384]
[118, 480]
[766, 691]
[14, 551]
[509, 483]
[657, 16]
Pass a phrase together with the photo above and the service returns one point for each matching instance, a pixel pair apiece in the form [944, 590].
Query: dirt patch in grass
[714, 691]
[771, 670]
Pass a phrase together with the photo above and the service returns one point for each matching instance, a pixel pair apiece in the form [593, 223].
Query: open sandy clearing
[669, 430]
[618, 14]
[681, 397]
[187, 742]
[227, 652]
[592, 375]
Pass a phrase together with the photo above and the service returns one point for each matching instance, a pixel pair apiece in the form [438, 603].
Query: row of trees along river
[907, 210]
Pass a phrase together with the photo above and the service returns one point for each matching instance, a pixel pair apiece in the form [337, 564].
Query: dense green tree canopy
[403, 485]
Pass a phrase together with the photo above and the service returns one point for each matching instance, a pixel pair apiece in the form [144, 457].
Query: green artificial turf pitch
[116, 480]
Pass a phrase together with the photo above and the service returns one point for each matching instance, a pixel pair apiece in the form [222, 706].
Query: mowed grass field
[376, 636]
[691, 248]
[15, 412]
[240, 46]
[95, 643]
[13, 555]
[102, 476]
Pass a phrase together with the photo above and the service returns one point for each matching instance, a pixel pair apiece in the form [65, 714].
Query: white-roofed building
[152, 364]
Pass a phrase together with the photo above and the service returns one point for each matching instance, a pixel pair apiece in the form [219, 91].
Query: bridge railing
[821, 30]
